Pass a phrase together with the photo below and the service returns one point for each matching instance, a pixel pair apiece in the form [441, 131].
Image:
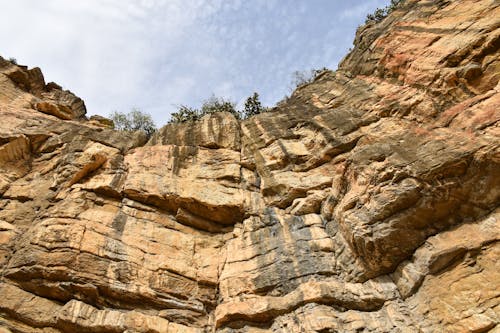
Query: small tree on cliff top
[218, 104]
[135, 120]
[184, 114]
[380, 13]
[253, 106]
[209, 106]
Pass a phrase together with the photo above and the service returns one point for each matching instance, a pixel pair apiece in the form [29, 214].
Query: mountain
[366, 202]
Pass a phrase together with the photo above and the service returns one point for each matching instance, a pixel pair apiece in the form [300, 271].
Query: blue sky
[156, 54]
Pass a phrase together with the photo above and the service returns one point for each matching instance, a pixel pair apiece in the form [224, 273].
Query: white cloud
[154, 54]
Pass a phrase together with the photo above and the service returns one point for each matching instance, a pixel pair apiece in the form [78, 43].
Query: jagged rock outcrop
[368, 202]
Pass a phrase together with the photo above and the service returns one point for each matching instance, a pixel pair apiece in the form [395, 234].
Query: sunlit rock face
[367, 202]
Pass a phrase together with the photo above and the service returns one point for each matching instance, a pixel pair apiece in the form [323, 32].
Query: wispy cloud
[155, 54]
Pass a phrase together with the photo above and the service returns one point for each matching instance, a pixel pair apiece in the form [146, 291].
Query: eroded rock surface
[368, 202]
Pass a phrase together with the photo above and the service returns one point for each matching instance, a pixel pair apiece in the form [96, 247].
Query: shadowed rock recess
[367, 202]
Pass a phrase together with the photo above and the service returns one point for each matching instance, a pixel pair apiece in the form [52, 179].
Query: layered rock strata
[367, 202]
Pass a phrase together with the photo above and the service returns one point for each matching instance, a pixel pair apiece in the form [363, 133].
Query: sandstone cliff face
[366, 203]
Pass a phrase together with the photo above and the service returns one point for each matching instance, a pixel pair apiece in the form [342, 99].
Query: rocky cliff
[368, 202]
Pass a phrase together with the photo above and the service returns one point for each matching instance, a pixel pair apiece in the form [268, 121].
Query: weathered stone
[443, 250]
[101, 121]
[219, 130]
[202, 181]
[265, 308]
[366, 202]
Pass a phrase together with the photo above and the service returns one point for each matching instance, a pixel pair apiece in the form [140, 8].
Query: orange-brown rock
[367, 202]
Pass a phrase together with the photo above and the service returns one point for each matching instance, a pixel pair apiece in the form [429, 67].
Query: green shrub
[300, 78]
[209, 106]
[380, 13]
[183, 114]
[135, 120]
[218, 104]
[253, 106]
